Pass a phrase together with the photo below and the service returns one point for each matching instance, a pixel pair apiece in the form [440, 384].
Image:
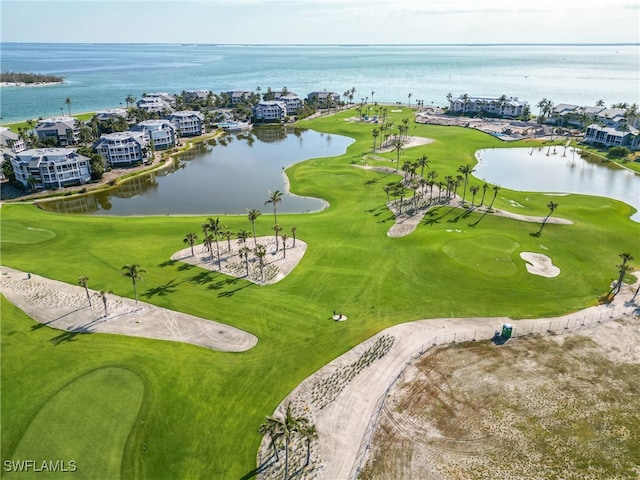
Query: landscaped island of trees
[29, 78]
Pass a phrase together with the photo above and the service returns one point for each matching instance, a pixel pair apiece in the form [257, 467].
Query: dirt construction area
[538, 407]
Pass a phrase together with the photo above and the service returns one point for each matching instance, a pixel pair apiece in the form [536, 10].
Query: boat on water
[235, 126]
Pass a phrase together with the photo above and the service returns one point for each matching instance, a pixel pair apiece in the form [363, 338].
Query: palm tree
[496, 189]
[253, 215]
[293, 233]
[422, 162]
[623, 269]
[284, 244]
[309, 433]
[242, 236]
[286, 427]
[190, 238]
[465, 170]
[474, 190]
[397, 146]
[215, 227]
[409, 96]
[83, 282]
[375, 132]
[260, 251]
[485, 187]
[228, 234]
[551, 206]
[244, 254]
[68, 103]
[133, 272]
[277, 229]
[275, 197]
[272, 428]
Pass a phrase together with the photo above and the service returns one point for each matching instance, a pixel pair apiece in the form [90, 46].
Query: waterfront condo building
[64, 130]
[161, 132]
[503, 106]
[270, 110]
[324, 98]
[122, 149]
[187, 123]
[46, 168]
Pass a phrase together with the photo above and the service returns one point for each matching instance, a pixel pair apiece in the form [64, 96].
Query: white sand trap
[277, 263]
[65, 307]
[540, 264]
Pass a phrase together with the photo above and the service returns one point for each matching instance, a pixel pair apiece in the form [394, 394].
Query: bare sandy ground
[277, 263]
[340, 401]
[65, 307]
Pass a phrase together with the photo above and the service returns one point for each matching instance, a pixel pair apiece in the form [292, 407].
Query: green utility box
[507, 329]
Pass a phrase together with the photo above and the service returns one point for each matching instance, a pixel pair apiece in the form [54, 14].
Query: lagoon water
[228, 175]
[101, 76]
[557, 170]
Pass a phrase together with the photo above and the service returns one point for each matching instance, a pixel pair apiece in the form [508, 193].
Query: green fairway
[202, 409]
[87, 422]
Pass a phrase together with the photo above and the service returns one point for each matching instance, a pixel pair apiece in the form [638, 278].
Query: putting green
[87, 422]
[23, 234]
[488, 254]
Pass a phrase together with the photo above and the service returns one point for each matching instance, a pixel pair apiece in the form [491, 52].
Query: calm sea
[100, 76]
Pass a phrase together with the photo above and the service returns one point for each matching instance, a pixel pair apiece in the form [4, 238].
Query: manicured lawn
[201, 409]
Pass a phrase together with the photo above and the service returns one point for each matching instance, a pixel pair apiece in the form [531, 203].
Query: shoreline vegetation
[22, 79]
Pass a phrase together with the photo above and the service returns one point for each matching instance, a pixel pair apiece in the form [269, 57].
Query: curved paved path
[65, 307]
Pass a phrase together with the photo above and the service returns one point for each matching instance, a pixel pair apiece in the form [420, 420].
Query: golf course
[137, 408]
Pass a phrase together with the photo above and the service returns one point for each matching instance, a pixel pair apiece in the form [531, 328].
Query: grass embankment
[201, 409]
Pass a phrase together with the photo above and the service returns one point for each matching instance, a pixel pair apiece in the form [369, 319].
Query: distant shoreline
[30, 84]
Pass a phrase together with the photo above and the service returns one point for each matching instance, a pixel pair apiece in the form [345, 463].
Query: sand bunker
[539, 264]
[65, 307]
[277, 263]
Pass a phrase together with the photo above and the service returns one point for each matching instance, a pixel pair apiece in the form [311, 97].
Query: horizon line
[464, 44]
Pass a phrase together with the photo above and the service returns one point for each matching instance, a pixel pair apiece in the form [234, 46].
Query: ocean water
[100, 76]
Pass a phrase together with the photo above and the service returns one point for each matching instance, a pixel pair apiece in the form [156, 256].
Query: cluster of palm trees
[214, 231]
[415, 179]
[289, 428]
[388, 138]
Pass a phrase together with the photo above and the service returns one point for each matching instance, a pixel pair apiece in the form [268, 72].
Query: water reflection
[224, 175]
[558, 169]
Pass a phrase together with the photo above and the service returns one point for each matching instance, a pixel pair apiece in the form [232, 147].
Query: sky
[321, 21]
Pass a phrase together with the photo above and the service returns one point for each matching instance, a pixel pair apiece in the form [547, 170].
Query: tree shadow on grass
[230, 293]
[168, 263]
[222, 283]
[434, 217]
[185, 266]
[202, 278]
[162, 290]
[66, 337]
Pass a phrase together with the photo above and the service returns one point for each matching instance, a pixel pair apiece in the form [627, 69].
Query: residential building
[196, 95]
[163, 97]
[237, 97]
[161, 132]
[121, 149]
[65, 130]
[11, 142]
[270, 110]
[104, 115]
[578, 116]
[153, 105]
[496, 106]
[46, 168]
[187, 123]
[612, 137]
[291, 100]
[324, 98]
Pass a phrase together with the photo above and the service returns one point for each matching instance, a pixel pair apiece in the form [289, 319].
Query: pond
[226, 175]
[558, 169]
